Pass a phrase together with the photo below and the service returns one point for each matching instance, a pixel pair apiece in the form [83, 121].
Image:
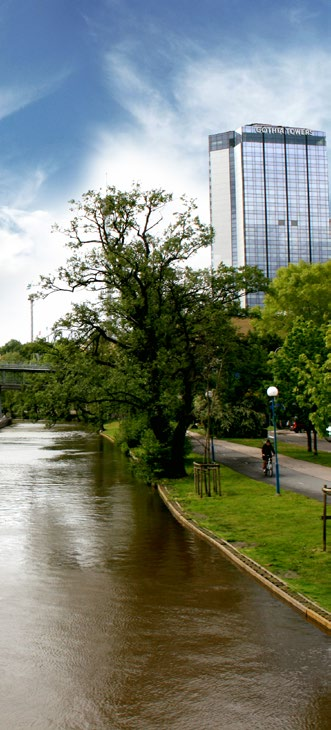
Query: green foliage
[238, 383]
[239, 418]
[314, 382]
[131, 430]
[300, 290]
[297, 310]
[13, 346]
[157, 325]
[152, 457]
[76, 387]
[301, 371]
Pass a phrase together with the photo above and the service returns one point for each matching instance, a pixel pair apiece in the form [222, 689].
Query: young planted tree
[156, 322]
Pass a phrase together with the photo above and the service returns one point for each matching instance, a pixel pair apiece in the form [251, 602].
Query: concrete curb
[310, 610]
[106, 436]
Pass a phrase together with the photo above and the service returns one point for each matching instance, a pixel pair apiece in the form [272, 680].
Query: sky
[112, 92]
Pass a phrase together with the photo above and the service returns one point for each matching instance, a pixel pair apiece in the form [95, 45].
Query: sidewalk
[306, 469]
[314, 470]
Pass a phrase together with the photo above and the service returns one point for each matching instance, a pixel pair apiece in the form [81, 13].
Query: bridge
[24, 367]
[11, 375]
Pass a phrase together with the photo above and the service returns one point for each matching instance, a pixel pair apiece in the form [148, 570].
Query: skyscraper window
[269, 197]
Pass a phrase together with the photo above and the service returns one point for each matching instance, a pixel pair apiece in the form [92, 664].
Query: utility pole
[31, 298]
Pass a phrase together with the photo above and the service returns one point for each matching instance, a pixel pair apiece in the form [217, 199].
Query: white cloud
[27, 249]
[18, 96]
[299, 13]
[167, 140]
[11, 100]
[20, 189]
[290, 88]
[166, 143]
[163, 143]
[153, 149]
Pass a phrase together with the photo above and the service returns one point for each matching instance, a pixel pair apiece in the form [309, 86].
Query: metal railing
[25, 367]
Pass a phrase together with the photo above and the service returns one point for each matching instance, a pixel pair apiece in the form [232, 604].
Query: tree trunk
[177, 460]
[315, 442]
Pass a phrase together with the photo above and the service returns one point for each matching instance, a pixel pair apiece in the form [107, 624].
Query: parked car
[297, 426]
[328, 433]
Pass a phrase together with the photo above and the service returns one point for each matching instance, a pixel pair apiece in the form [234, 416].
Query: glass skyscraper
[269, 197]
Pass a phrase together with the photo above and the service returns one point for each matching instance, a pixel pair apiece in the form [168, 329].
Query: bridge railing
[25, 367]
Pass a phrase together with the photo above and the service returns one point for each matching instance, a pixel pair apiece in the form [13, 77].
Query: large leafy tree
[299, 290]
[300, 371]
[297, 311]
[74, 387]
[314, 381]
[237, 406]
[156, 324]
[14, 352]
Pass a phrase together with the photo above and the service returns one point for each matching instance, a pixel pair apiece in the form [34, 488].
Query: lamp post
[31, 299]
[272, 392]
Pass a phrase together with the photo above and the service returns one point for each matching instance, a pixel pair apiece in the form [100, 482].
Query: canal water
[113, 616]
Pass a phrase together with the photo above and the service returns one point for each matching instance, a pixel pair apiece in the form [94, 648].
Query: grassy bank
[112, 429]
[282, 533]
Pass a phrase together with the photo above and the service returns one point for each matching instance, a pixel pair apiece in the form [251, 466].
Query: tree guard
[207, 479]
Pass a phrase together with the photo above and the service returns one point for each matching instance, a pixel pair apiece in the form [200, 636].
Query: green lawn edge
[282, 533]
[112, 430]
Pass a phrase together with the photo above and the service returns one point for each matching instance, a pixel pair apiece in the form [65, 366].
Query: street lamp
[272, 392]
[31, 299]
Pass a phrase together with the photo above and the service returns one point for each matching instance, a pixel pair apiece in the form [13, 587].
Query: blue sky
[116, 91]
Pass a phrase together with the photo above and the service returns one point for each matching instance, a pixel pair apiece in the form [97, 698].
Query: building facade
[269, 197]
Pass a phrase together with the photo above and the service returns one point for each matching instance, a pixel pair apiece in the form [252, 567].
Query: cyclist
[267, 453]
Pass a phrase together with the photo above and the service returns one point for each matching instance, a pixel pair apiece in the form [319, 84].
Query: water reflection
[113, 616]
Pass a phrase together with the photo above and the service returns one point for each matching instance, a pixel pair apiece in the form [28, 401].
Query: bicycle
[268, 471]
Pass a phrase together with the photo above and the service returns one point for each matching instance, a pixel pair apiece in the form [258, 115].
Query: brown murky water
[113, 616]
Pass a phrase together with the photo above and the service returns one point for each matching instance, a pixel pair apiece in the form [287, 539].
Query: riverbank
[278, 540]
[310, 610]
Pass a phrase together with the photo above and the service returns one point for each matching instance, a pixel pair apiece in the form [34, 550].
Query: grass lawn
[111, 429]
[282, 533]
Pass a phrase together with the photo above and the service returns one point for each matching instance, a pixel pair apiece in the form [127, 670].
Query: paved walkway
[314, 470]
[295, 475]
